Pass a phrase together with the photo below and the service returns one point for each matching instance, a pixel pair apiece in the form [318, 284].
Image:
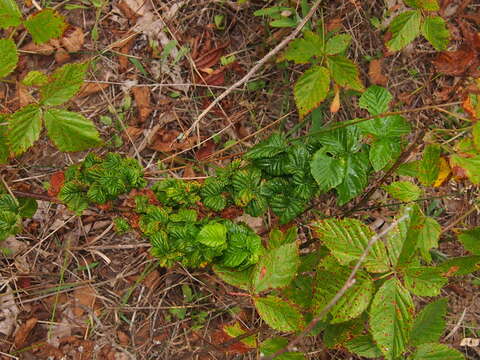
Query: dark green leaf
[240, 279]
[375, 100]
[471, 240]
[302, 50]
[356, 177]
[272, 345]
[327, 171]
[434, 351]
[429, 324]
[383, 152]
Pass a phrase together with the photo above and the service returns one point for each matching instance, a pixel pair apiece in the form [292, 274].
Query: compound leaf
[364, 346]
[10, 14]
[8, 57]
[302, 50]
[272, 345]
[70, 131]
[429, 324]
[404, 28]
[375, 100]
[391, 317]
[279, 314]
[311, 89]
[435, 351]
[435, 30]
[24, 128]
[344, 72]
[337, 44]
[45, 25]
[356, 177]
[4, 149]
[383, 152]
[429, 5]
[424, 281]
[64, 83]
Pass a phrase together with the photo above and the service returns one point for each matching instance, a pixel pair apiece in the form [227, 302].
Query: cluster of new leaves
[69, 131]
[97, 180]
[407, 26]
[326, 53]
[12, 210]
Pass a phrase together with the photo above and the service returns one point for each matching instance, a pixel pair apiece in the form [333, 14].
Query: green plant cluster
[12, 211]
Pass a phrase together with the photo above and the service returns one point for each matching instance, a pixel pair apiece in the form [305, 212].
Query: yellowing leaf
[311, 89]
[443, 173]
[8, 57]
[404, 28]
[45, 25]
[335, 105]
[10, 14]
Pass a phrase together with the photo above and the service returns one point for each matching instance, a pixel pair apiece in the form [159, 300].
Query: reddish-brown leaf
[141, 94]
[205, 151]
[56, 183]
[23, 331]
[73, 39]
[375, 73]
[456, 62]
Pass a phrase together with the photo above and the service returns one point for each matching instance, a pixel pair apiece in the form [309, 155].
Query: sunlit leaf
[403, 191]
[435, 30]
[64, 83]
[435, 351]
[45, 25]
[8, 57]
[345, 72]
[302, 50]
[279, 314]
[24, 128]
[430, 323]
[311, 89]
[404, 28]
[10, 14]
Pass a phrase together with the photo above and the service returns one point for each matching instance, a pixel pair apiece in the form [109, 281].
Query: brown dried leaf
[188, 172]
[125, 49]
[455, 62]
[166, 141]
[85, 298]
[141, 94]
[205, 151]
[23, 95]
[375, 73]
[133, 132]
[123, 338]
[41, 49]
[152, 279]
[23, 332]
[91, 88]
[56, 183]
[73, 39]
[335, 105]
[61, 56]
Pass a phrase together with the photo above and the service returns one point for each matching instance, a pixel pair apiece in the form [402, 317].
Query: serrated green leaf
[27, 207]
[344, 72]
[8, 203]
[4, 149]
[340, 141]
[35, 78]
[435, 30]
[471, 165]
[8, 57]
[338, 44]
[461, 265]
[279, 314]
[278, 238]
[64, 83]
[24, 128]
[311, 89]
[338, 334]
[375, 100]
[429, 166]
[300, 291]
[240, 279]
[390, 127]
[364, 346]
[272, 345]
[329, 280]
[428, 236]
[45, 25]
[435, 351]
[476, 135]
[10, 224]
[429, 324]
[10, 14]
[356, 177]
[470, 240]
[327, 171]
[430, 5]
[383, 152]
[302, 50]
[347, 240]
[276, 269]
[74, 196]
[391, 318]
[424, 281]
[404, 28]
[216, 202]
[275, 144]
[213, 235]
[70, 131]
[403, 191]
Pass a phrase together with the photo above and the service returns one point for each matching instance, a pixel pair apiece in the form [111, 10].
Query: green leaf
[240, 279]
[430, 5]
[429, 324]
[403, 191]
[35, 78]
[278, 238]
[279, 314]
[404, 28]
[327, 171]
[4, 149]
[10, 224]
[275, 144]
[347, 240]
[429, 166]
[27, 207]
[10, 14]
[272, 345]
[391, 317]
[471, 165]
[375, 100]
[470, 240]
[383, 152]
[216, 202]
[70, 131]
[74, 196]
[8, 56]
[424, 281]
[428, 236]
[461, 265]
[45, 25]
[344, 72]
[64, 83]
[434, 351]
[276, 269]
[338, 44]
[340, 141]
[213, 235]
[364, 346]
[391, 127]
[356, 177]
[336, 335]
[329, 280]
[300, 291]
[302, 50]
[436, 32]
[311, 89]
[24, 128]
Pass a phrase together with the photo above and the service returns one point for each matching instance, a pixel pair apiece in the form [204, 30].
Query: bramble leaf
[344, 72]
[24, 128]
[383, 152]
[302, 50]
[213, 235]
[470, 240]
[435, 30]
[356, 177]
[327, 171]
[272, 345]
[70, 131]
[428, 236]
[64, 83]
[45, 25]
[311, 89]
[430, 5]
[273, 145]
[404, 28]
[435, 351]
[391, 317]
[364, 346]
[276, 269]
[375, 100]
[337, 44]
[471, 165]
[10, 14]
[279, 314]
[4, 149]
[424, 281]
[403, 191]
[461, 265]
[8, 56]
[240, 279]
[430, 323]
[347, 240]
[35, 78]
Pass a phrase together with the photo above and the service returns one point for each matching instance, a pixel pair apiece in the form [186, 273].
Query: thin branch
[348, 284]
[254, 69]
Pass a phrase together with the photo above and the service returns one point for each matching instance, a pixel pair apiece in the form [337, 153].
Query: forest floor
[84, 292]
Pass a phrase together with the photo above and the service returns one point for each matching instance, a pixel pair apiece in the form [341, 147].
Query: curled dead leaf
[141, 94]
[205, 150]
[166, 141]
[375, 73]
[91, 88]
[23, 331]
[335, 105]
[73, 39]
[455, 62]
[56, 183]
[40, 49]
